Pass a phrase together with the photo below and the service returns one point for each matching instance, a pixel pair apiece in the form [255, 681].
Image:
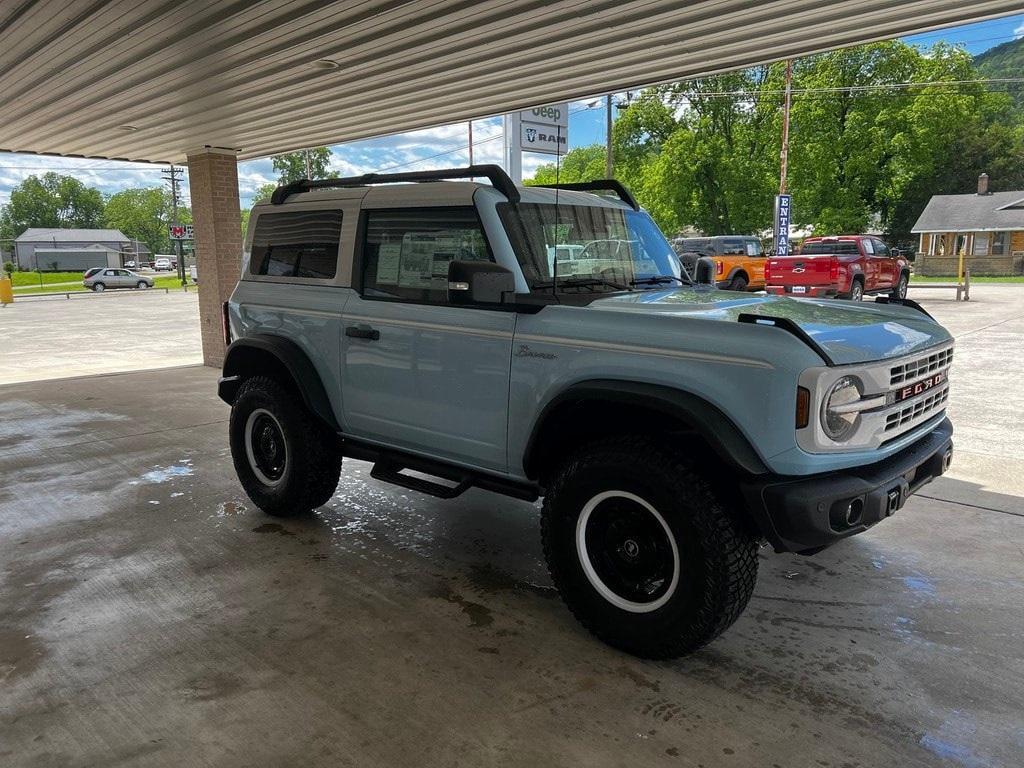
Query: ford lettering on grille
[920, 387]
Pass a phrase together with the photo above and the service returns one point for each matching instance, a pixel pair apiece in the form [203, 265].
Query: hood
[851, 332]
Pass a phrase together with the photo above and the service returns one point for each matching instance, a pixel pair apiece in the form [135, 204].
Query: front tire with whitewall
[286, 460]
[645, 553]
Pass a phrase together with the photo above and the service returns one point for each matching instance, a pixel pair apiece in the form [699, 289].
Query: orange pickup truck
[739, 259]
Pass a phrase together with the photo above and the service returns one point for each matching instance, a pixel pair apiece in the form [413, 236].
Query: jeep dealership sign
[545, 129]
[552, 115]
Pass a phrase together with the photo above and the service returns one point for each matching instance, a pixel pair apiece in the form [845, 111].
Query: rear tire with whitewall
[646, 554]
[287, 461]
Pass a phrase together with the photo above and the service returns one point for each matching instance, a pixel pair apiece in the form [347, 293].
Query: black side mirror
[705, 271]
[479, 282]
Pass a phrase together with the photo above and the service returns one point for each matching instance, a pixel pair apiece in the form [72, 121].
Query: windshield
[597, 246]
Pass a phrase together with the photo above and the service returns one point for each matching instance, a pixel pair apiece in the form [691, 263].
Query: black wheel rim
[265, 444]
[630, 552]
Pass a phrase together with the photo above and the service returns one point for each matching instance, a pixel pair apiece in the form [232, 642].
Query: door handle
[362, 332]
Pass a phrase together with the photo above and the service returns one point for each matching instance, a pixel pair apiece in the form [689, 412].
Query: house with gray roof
[985, 229]
[72, 250]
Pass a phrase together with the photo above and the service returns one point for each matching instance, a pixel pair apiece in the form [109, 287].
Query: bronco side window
[297, 244]
[405, 253]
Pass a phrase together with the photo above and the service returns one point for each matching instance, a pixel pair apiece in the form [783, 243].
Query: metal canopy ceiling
[153, 79]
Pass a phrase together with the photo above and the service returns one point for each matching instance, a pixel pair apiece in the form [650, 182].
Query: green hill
[1005, 60]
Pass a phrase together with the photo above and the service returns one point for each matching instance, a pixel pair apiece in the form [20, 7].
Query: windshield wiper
[581, 282]
[659, 280]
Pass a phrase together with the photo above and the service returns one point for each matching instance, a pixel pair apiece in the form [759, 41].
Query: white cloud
[1018, 33]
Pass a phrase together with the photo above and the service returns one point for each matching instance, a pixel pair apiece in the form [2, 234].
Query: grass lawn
[951, 279]
[170, 282]
[34, 278]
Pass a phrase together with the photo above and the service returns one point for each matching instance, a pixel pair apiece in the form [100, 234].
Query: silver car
[101, 279]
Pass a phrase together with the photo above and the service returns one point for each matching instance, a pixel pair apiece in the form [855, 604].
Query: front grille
[922, 366]
[916, 410]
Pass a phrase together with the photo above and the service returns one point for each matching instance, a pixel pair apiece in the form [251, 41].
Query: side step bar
[390, 472]
[389, 467]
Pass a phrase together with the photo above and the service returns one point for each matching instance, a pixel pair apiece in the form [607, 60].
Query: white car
[162, 265]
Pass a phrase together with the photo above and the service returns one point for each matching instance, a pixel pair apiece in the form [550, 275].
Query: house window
[999, 243]
[980, 244]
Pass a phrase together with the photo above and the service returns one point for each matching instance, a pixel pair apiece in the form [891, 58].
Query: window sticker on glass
[389, 257]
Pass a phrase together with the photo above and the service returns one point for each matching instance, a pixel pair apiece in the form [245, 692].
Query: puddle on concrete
[163, 474]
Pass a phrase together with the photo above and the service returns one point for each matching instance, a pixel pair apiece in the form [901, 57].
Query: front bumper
[807, 514]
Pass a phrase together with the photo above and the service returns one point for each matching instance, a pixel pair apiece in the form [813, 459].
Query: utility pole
[172, 175]
[608, 165]
[469, 125]
[784, 154]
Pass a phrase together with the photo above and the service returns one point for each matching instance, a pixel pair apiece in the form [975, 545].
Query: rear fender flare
[252, 356]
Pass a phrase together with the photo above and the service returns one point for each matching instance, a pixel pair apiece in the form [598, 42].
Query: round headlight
[838, 422]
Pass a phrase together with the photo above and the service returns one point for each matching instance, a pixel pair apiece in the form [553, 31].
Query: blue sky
[441, 147]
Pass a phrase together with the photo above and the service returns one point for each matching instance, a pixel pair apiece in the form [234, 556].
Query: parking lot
[53, 337]
[152, 616]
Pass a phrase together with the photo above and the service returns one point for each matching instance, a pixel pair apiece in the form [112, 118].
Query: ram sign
[549, 139]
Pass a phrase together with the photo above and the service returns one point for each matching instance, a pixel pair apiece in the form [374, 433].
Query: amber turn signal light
[803, 407]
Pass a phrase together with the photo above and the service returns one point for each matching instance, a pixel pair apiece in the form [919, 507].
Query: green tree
[262, 194]
[292, 166]
[145, 215]
[52, 200]
[578, 164]
[865, 149]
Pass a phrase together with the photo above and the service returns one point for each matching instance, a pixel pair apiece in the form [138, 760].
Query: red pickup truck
[847, 266]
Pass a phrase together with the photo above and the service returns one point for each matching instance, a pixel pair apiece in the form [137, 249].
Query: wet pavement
[151, 616]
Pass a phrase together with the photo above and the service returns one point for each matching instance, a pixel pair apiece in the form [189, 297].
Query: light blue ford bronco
[544, 341]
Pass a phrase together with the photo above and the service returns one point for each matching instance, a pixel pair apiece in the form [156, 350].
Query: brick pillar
[216, 218]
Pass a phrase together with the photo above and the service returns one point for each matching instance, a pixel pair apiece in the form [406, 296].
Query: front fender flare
[724, 437]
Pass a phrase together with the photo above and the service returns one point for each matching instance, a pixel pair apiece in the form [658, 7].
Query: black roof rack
[605, 185]
[501, 181]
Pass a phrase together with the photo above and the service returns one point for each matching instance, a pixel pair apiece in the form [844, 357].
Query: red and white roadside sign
[181, 231]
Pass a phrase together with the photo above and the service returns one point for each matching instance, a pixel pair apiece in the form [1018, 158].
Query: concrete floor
[150, 616]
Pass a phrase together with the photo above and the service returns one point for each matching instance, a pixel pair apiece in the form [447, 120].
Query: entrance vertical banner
[783, 204]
